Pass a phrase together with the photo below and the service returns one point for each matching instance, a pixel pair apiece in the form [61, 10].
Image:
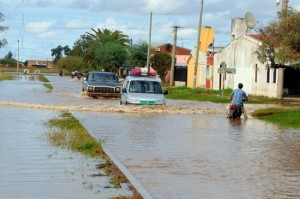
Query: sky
[37, 26]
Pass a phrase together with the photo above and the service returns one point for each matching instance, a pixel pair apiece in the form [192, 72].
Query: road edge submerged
[135, 183]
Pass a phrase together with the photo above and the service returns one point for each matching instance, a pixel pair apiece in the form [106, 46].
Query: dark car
[101, 84]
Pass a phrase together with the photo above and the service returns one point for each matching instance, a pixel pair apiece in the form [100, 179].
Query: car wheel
[121, 102]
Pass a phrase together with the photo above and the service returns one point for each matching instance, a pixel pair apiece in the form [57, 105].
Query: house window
[274, 75]
[255, 73]
[268, 75]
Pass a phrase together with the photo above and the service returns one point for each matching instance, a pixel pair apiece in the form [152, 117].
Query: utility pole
[173, 55]
[284, 4]
[281, 70]
[198, 44]
[18, 59]
[149, 44]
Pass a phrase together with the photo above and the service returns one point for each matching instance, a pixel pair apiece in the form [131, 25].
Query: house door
[291, 82]
[220, 81]
[180, 74]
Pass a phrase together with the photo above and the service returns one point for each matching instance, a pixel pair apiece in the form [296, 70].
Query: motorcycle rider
[238, 96]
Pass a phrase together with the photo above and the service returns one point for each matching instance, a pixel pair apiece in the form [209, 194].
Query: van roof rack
[142, 72]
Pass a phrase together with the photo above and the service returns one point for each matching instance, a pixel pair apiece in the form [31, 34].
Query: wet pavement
[202, 156]
[189, 150]
[31, 168]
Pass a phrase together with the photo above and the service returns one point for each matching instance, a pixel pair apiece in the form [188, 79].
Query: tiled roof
[257, 37]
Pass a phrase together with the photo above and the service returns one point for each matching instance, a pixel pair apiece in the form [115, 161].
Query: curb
[137, 185]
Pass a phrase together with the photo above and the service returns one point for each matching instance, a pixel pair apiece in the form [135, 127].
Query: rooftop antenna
[250, 21]
[277, 2]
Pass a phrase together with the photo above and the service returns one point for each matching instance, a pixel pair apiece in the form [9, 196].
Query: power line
[176, 9]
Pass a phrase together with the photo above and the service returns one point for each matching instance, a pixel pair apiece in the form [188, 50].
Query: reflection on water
[202, 156]
[191, 155]
[24, 77]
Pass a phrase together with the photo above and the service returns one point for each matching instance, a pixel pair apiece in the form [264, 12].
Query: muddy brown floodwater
[184, 150]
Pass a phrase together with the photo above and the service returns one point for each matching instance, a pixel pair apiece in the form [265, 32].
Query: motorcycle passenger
[238, 96]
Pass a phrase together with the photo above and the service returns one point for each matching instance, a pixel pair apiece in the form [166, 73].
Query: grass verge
[288, 118]
[42, 78]
[6, 77]
[70, 134]
[48, 86]
[199, 94]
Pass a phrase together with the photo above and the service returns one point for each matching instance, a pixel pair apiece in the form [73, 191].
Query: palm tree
[105, 35]
[98, 39]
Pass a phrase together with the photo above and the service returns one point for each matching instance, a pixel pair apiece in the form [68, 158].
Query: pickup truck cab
[101, 84]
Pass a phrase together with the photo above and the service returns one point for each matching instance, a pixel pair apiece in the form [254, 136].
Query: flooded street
[202, 156]
[185, 150]
[31, 168]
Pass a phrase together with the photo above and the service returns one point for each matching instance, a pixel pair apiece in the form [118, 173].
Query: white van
[142, 90]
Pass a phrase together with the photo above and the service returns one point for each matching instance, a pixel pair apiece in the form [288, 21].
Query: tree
[111, 55]
[70, 63]
[105, 35]
[59, 51]
[100, 38]
[3, 42]
[281, 41]
[8, 60]
[161, 62]
[9, 55]
[80, 46]
[138, 53]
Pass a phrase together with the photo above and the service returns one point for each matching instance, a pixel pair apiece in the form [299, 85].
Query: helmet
[240, 85]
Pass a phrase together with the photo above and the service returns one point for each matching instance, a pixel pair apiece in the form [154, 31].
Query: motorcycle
[235, 112]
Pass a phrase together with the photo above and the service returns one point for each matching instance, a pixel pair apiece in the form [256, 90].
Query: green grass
[284, 117]
[67, 132]
[42, 78]
[72, 135]
[198, 94]
[48, 86]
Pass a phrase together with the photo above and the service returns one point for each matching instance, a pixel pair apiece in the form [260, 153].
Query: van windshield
[140, 86]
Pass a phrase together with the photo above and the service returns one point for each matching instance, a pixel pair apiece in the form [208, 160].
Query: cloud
[79, 4]
[46, 35]
[43, 3]
[40, 26]
[166, 6]
[78, 23]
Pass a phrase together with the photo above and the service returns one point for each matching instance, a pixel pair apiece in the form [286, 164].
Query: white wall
[240, 54]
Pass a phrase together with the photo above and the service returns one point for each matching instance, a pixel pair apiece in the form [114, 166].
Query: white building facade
[258, 78]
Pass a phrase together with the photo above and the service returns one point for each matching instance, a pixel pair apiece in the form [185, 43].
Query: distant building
[181, 57]
[40, 63]
[205, 67]
[168, 48]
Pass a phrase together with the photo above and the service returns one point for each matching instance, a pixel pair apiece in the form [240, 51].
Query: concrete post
[173, 56]
[279, 94]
